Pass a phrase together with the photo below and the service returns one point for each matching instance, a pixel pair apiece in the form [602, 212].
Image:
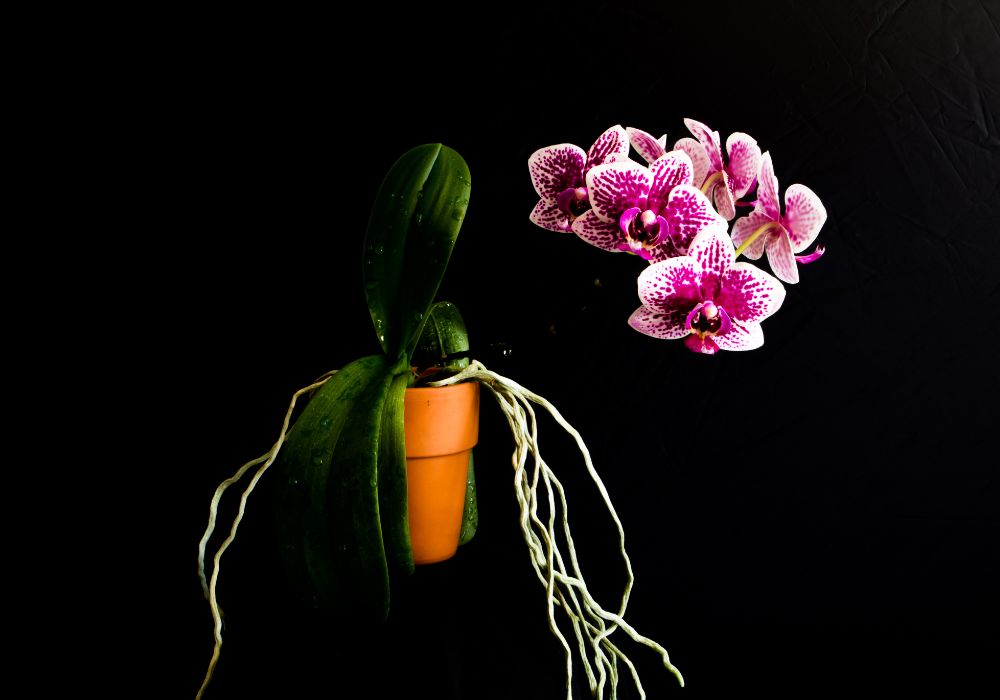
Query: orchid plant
[674, 212]
[342, 504]
[341, 497]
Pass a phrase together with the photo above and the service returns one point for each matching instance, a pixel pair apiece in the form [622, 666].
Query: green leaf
[416, 218]
[392, 496]
[443, 342]
[327, 503]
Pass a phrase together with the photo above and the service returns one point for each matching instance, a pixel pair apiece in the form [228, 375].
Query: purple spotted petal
[613, 142]
[713, 251]
[744, 162]
[699, 159]
[742, 336]
[749, 294]
[668, 325]
[556, 168]
[722, 195]
[648, 147]
[671, 285]
[710, 140]
[744, 227]
[804, 216]
[781, 258]
[668, 171]
[597, 232]
[616, 187]
[688, 212]
[549, 216]
[767, 188]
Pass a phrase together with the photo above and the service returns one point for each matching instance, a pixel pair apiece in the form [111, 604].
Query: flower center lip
[707, 318]
[644, 230]
[573, 201]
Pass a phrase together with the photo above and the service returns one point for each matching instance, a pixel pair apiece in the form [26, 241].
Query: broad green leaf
[416, 218]
[327, 501]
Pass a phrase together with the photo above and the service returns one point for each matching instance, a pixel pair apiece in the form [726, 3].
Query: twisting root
[564, 587]
[209, 586]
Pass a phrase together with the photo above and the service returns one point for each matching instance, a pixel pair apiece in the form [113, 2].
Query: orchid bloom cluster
[674, 212]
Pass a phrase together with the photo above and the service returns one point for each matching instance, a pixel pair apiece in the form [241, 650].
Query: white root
[210, 586]
[564, 588]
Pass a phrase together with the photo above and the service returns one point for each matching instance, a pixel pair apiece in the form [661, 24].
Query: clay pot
[442, 426]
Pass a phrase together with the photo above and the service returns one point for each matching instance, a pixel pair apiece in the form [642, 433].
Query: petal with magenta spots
[722, 195]
[616, 187]
[556, 168]
[767, 188]
[549, 216]
[646, 145]
[749, 294]
[668, 171]
[597, 232]
[699, 159]
[781, 258]
[613, 142]
[804, 216]
[688, 212]
[668, 325]
[713, 251]
[742, 336]
[744, 162]
[710, 140]
[672, 284]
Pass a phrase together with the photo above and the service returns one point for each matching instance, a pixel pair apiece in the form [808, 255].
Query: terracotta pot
[442, 425]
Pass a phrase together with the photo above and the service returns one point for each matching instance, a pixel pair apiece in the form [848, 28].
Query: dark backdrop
[840, 537]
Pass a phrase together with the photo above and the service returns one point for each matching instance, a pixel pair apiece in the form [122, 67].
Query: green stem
[754, 236]
[711, 180]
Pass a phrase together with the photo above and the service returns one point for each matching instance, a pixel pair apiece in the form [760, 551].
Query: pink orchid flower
[729, 180]
[559, 175]
[707, 298]
[652, 212]
[782, 236]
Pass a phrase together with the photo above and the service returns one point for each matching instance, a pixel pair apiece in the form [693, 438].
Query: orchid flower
[782, 235]
[707, 298]
[724, 182]
[652, 212]
[559, 175]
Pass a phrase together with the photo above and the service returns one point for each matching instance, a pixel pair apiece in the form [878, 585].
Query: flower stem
[710, 180]
[754, 236]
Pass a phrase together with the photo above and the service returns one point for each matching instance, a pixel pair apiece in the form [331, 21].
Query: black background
[817, 516]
